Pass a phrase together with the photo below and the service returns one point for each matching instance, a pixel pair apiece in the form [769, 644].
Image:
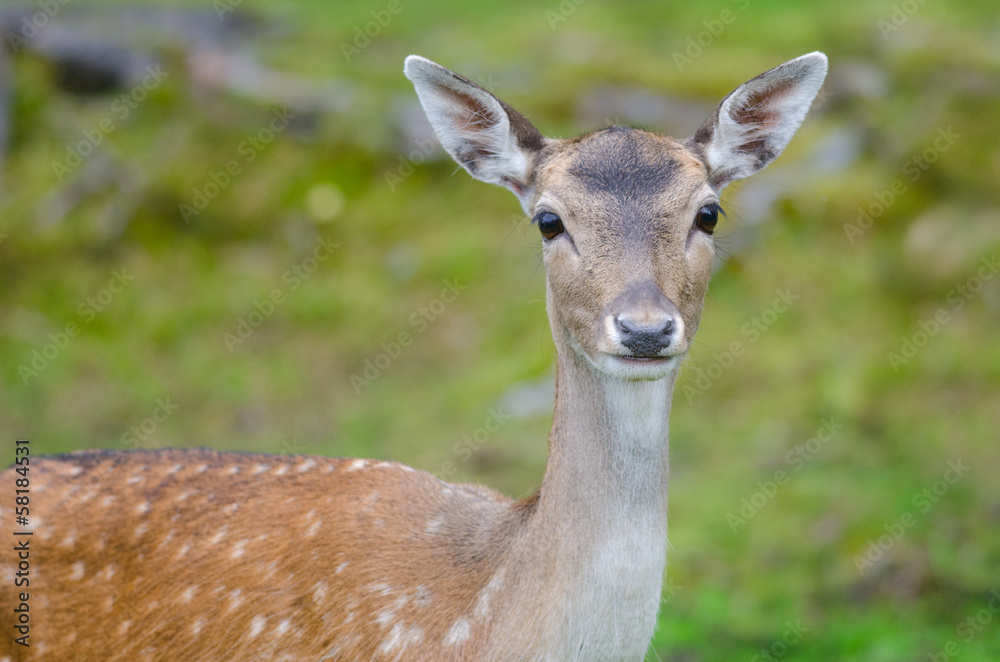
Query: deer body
[197, 554]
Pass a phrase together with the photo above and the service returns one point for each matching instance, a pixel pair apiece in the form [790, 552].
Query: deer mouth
[644, 359]
[639, 368]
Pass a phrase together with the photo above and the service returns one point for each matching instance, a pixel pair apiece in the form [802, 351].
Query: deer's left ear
[487, 137]
[756, 121]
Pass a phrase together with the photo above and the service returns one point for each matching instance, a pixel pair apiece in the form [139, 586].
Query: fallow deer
[205, 555]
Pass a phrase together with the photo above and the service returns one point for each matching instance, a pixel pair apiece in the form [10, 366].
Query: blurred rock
[834, 153]
[415, 133]
[402, 261]
[853, 79]
[615, 104]
[528, 399]
[947, 240]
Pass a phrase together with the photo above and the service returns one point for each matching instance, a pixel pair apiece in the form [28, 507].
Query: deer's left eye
[549, 224]
[708, 217]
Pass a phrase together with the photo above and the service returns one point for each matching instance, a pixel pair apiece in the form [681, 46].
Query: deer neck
[601, 517]
[608, 444]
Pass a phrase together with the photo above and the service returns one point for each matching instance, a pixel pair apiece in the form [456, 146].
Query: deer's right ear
[487, 137]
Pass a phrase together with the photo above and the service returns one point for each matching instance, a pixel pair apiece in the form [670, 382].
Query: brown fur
[149, 526]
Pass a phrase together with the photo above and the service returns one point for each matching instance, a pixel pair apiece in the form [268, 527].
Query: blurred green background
[226, 255]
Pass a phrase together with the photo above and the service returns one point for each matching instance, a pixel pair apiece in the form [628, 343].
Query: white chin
[636, 370]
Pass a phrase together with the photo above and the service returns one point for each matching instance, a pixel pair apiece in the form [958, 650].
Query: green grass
[289, 384]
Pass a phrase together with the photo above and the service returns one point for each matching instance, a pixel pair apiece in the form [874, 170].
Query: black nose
[647, 338]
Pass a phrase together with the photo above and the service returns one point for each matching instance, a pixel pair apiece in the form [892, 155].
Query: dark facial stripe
[623, 162]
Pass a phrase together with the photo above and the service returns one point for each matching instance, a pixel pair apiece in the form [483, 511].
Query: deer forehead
[623, 182]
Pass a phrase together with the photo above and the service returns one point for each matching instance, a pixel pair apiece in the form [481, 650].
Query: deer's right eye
[549, 224]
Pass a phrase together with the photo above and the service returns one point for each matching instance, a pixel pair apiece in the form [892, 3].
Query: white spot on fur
[174, 469]
[283, 627]
[385, 617]
[257, 625]
[319, 592]
[142, 508]
[188, 594]
[196, 628]
[141, 529]
[75, 471]
[166, 539]
[183, 550]
[70, 540]
[107, 501]
[258, 469]
[136, 479]
[400, 637]
[219, 535]
[235, 599]
[458, 633]
[239, 549]
[328, 467]
[123, 628]
[421, 596]
[355, 465]
[483, 603]
[306, 466]
[201, 468]
[340, 568]
[314, 528]
[379, 587]
[230, 509]
[78, 570]
[281, 470]
[434, 525]
[183, 495]
[232, 470]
